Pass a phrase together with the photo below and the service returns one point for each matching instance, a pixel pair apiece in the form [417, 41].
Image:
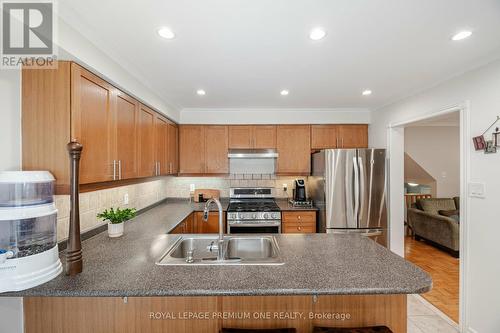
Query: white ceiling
[244, 52]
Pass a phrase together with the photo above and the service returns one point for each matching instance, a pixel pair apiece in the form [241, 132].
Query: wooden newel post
[74, 264]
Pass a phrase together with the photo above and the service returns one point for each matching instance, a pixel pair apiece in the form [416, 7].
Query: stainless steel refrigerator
[349, 187]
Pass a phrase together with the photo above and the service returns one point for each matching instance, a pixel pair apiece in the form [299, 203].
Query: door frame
[395, 145]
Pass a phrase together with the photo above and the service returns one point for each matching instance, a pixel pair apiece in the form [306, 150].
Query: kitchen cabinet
[125, 119]
[211, 226]
[146, 136]
[353, 136]
[301, 222]
[264, 137]
[339, 136]
[324, 136]
[161, 146]
[203, 149]
[173, 149]
[191, 149]
[252, 136]
[294, 149]
[122, 139]
[216, 150]
[185, 227]
[91, 125]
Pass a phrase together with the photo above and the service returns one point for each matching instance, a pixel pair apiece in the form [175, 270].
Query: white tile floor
[424, 318]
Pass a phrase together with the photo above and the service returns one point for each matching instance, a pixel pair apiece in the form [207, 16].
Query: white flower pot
[115, 230]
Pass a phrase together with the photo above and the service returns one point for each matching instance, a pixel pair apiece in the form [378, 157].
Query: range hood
[252, 161]
[252, 153]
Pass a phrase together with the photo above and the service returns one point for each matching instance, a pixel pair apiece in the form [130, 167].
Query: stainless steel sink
[238, 250]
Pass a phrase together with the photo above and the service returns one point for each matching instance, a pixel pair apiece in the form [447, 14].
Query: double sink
[237, 250]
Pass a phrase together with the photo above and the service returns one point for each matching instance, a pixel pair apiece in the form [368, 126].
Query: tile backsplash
[145, 194]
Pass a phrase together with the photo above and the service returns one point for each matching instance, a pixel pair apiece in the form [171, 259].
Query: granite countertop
[314, 264]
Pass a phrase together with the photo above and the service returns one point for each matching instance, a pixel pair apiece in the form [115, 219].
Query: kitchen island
[332, 280]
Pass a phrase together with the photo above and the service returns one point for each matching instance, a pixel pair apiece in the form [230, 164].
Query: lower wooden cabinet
[187, 226]
[194, 224]
[299, 222]
[211, 226]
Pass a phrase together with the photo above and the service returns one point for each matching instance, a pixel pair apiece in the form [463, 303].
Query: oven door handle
[259, 224]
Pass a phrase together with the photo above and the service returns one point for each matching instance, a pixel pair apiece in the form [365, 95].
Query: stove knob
[254, 216]
[275, 215]
[266, 215]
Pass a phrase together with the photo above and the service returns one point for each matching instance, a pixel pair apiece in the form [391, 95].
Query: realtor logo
[28, 34]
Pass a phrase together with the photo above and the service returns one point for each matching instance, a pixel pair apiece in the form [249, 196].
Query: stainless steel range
[253, 210]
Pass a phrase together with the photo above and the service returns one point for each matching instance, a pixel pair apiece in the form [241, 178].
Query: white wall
[275, 116]
[481, 88]
[10, 119]
[437, 150]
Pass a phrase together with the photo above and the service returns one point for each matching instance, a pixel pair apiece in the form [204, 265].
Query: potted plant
[116, 218]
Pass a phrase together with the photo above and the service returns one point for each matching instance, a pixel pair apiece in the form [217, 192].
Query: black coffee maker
[300, 190]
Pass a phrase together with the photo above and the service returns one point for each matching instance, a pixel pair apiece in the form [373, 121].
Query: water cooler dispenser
[29, 253]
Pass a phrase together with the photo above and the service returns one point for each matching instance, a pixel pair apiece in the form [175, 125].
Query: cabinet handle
[114, 169]
[170, 168]
[120, 169]
[342, 140]
[299, 217]
[159, 168]
[299, 228]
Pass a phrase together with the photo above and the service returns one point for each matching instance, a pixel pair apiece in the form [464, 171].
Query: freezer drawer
[378, 235]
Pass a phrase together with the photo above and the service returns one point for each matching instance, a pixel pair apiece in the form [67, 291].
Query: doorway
[437, 183]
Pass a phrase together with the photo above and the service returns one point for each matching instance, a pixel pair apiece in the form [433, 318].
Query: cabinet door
[192, 149]
[353, 136]
[127, 110]
[146, 130]
[161, 153]
[264, 137]
[240, 136]
[91, 124]
[216, 149]
[294, 149]
[211, 226]
[173, 149]
[323, 136]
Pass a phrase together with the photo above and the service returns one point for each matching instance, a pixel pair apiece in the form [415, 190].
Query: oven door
[254, 228]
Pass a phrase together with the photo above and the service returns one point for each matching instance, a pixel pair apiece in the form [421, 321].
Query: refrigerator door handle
[362, 188]
[356, 190]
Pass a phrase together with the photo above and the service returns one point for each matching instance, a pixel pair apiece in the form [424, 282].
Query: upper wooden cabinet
[203, 149]
[353, 136]
[173, 149]
[146, 137]
[216, 149]
[191, 149]
[294, 145]
[252, 136]
[126, 118]
[91, 125]
[339, 136]
[121, 138]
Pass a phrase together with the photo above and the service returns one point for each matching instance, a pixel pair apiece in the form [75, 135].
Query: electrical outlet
[477, 190]
[192, 188]
[285, 187]
[125, 199]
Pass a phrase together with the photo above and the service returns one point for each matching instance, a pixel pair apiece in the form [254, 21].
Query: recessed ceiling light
[166, 33]
[284, 93]
[367, 92]
[317, 34]
[462, 35]
[201, 92]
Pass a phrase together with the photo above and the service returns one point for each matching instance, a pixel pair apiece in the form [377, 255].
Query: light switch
[125, 199]
[477, 190]
[191, 188]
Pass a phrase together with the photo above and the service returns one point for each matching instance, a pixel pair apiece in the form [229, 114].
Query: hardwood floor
[444, 270]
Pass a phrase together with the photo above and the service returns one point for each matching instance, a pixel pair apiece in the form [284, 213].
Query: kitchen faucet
[206, 210]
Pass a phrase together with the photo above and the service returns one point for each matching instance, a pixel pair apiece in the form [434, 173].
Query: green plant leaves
[115, 216]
